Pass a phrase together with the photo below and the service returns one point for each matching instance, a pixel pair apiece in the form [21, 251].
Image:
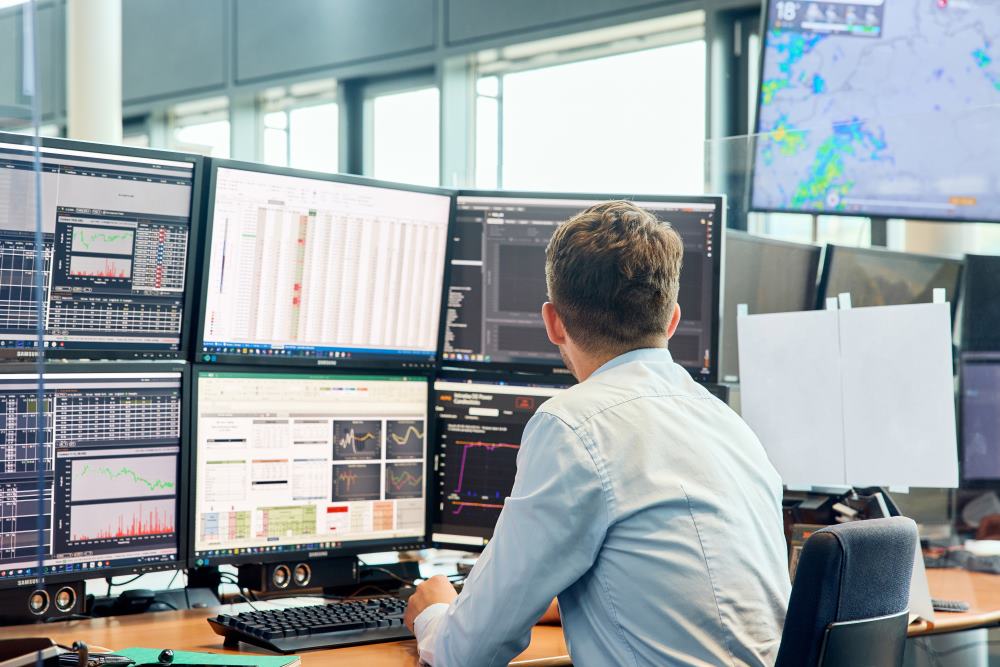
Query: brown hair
[613, 272]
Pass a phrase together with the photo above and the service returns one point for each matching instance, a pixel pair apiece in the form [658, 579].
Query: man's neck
[586, 365]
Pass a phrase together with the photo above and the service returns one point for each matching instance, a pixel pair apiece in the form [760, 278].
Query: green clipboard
[150, 655]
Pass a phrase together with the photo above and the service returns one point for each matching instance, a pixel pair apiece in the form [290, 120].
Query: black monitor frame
[212, 167]
[830, 252]
[551, 368]
[343, 550]
[757, 132]
[183, 465]
[965, 359]
[192, 268]
[972, 273]
[478, 377]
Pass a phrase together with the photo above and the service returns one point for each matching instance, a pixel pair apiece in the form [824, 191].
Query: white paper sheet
[791, 394]
[899, 405]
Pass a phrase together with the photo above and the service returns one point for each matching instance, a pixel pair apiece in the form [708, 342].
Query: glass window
[796, 227]
[630, 123]
[304, 136]
[488, 132]
[406, 137]
[844, 230]
[201, 126]
[48, 130]
[137, 140]
[276, 138]
[211, 139]
[313, 137]
[301, 125]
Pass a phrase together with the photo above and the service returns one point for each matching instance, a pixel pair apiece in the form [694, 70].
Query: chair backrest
[857, 571]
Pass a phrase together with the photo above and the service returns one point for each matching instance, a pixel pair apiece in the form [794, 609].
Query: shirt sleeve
[548, 535]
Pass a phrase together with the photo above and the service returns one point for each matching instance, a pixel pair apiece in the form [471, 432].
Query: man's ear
[553, 324]
[675, 319]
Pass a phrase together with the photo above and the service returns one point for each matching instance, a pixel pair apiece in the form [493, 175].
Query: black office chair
[850, 597]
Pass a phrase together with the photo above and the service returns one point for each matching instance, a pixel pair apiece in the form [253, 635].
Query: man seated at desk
[645, 504]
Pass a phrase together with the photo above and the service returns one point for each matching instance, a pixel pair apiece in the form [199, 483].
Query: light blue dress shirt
[651, 510]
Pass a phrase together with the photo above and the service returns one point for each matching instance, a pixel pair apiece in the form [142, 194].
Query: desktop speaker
[31, 604]
[291, 576]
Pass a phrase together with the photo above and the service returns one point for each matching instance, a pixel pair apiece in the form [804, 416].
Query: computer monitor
[306, 464]
[768, 275]
[479, 425]
[119, 230]
[883, 278]
[980, 418]
[497, 279]
[320, 269]
[883, 108]
[114, 477]
[981, 303]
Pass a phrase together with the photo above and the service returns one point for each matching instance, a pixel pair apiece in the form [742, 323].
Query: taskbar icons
[205, 557]
[461, 356]
[83, 567]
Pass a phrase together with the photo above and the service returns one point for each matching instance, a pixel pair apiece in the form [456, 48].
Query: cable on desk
[247, 600]
[378, 589]
[408, 582]
[111, 583]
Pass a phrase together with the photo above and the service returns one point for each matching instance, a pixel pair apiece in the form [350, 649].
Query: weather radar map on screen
[880, 108]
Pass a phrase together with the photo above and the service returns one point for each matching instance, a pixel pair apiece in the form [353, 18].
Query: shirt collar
[659, 354]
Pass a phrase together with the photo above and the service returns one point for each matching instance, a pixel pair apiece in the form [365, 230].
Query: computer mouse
[199, 605]
[159, 606]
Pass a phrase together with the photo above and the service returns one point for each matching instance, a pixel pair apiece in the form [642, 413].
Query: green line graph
[134, 477]
[104, 241]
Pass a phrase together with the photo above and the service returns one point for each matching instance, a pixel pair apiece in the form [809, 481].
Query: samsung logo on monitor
[318, 554]
[27, 582]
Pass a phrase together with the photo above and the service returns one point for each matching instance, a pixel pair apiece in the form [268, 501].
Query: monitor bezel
[971, 358]
[966, 316]
[751, 158]
[346, 549]
[191, 272]
[183, 467]
[830, 252]
[555, 368]
[201, 357]
[473, 377]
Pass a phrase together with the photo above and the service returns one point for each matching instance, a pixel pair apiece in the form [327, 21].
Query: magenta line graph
[466, 445]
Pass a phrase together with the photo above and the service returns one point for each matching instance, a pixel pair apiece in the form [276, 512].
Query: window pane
[210, 139]
[632, 123]
[276, 119]
[488, 85]
[276, 147]
[844, 230]
[487, 127]
[406, 137]
[313, 132]
[137, 140]
[795, 227]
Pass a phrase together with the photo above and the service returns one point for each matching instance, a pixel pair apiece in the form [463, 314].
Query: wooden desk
[188, 630]
[980, 590]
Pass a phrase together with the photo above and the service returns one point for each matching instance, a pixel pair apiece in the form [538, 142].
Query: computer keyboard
[344, 623]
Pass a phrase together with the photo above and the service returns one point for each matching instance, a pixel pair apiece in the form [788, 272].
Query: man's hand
[434, 590]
